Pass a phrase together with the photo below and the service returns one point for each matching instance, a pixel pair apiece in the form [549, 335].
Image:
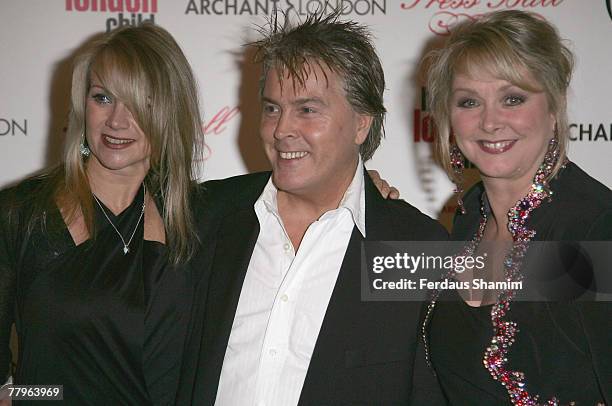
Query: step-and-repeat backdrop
[38, 39]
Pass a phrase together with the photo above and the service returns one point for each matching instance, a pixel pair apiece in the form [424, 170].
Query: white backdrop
[39, 37]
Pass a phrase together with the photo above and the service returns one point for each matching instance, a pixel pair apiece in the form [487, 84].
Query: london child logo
[424, 129]
[129, 12]
[299, 7]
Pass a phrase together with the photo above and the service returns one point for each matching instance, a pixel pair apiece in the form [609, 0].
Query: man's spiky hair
[323, 40]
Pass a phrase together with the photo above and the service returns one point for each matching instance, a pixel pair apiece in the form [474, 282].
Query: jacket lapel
[345, 300]
[235, 241]
[230, 262]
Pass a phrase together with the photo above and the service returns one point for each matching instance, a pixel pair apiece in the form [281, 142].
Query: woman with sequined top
[89, 249]
[498, 95]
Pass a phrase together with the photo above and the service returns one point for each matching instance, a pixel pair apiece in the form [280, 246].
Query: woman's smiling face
[115, 139]
[502, 129]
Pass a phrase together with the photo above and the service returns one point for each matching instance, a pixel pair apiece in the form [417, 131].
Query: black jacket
[580, 210]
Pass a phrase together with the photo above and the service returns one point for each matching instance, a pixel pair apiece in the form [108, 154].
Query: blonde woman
[88, 249]
[499, 87]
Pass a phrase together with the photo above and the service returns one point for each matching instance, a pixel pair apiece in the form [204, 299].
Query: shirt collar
[353, 199]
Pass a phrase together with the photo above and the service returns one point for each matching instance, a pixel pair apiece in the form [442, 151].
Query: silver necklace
[126, 245]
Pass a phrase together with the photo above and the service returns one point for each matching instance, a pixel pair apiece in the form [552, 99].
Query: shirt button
[284, 298]
[287, 246]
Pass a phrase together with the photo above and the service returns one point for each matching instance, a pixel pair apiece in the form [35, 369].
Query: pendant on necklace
[125, 250]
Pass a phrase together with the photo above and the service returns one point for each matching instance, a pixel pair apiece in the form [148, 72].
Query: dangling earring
[552, 154]
[84, 149]
[457, 161]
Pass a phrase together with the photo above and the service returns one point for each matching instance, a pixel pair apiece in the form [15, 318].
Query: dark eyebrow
[297, 102]
[462, 89]
[307, 100]
[99, 87]
[265, 99]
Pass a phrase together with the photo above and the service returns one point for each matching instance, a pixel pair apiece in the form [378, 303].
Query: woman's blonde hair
[506, 44]
[145, 68]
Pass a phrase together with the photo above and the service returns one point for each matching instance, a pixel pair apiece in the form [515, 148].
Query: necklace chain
[504, 331]
[126, 245]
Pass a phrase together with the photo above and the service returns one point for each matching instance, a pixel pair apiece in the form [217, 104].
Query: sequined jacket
[580, 210]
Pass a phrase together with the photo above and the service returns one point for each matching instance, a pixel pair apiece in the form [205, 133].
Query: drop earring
[83, 148]
[457, 161]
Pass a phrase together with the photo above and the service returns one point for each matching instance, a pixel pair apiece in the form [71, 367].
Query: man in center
[279, 320]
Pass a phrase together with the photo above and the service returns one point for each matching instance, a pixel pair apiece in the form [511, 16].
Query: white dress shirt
[283, 301]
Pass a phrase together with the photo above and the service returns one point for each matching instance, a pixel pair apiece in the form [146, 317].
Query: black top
[562, 347]
[108, 326]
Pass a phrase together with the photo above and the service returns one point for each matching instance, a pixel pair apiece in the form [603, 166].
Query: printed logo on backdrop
[129, 12]
[448, 13]
[217, 125]
[299, 7]
[12, 127]
[424, 129]
[423, 133]
[590, 132]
